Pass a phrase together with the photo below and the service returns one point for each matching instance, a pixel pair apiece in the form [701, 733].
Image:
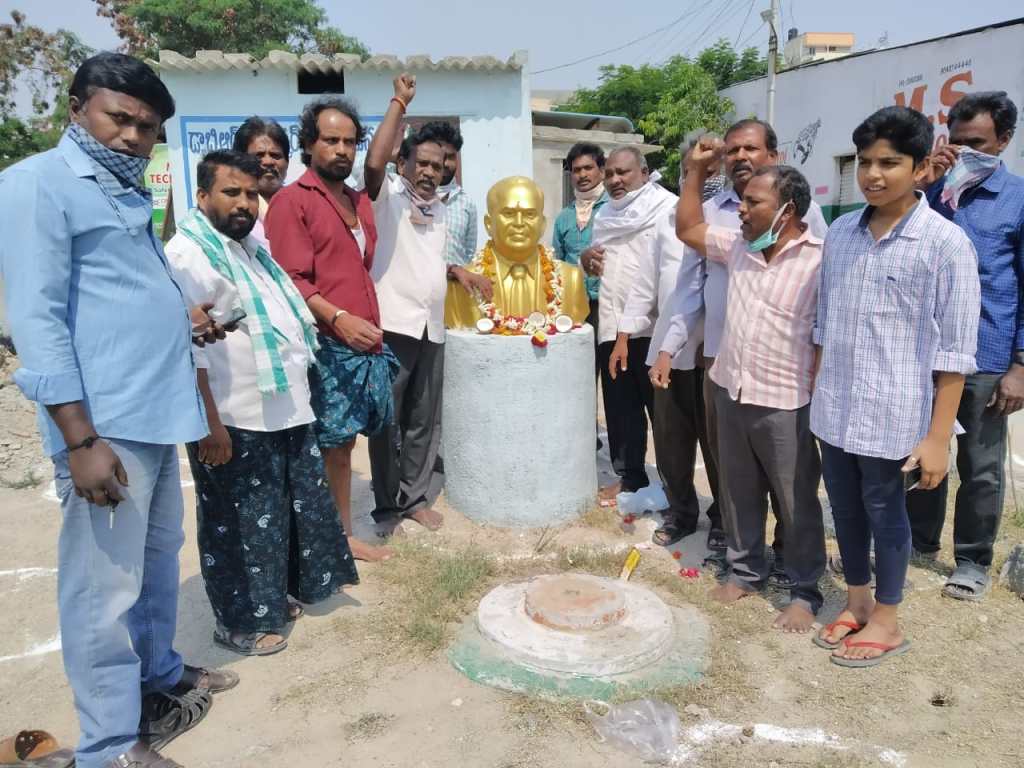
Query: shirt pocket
[904, 285]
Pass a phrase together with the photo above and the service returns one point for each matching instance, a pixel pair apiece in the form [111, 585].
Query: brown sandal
[35, 748]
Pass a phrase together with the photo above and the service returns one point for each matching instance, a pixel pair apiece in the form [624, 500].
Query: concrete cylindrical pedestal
[518, 427]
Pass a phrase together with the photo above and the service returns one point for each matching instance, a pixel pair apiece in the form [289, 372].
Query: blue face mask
[769, 237]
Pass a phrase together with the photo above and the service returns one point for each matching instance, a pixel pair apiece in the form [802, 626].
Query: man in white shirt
[678, 422]
[267, 521]
[410, 274]
[624, 230]
[749, 145]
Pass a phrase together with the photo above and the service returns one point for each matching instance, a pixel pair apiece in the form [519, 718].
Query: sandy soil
[346, 693]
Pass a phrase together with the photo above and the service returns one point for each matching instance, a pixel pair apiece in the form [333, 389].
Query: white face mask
[629, 197]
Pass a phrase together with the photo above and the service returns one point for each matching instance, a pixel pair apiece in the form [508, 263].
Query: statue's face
[515, 217]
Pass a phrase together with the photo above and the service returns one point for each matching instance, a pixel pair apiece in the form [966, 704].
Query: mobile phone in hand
[912, 479]
[201, 329]
[232, 316]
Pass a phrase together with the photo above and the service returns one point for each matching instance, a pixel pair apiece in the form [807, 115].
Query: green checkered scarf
[271, 378]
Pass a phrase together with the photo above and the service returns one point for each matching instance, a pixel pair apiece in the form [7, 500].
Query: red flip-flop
[874, 661]
[853, 626]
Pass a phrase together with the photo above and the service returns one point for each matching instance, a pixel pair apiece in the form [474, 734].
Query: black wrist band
[87, 443]
[1018, 357]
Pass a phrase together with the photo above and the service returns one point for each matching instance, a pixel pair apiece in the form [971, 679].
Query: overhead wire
[669, 44]
[714, 21]
[752, 35]
[744, 24]
[616, 49]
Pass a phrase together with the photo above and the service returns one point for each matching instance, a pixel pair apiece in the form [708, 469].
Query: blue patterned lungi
[351, 392]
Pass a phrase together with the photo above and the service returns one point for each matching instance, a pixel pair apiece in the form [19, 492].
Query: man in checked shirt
[897, 328]
[765, 373]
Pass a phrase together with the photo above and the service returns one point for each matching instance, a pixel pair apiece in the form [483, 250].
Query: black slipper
[717, 540]
[669, 533]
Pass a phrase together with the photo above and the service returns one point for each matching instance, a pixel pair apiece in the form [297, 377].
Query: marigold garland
[513, 325]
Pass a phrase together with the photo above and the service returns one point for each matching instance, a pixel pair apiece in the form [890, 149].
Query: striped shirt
[766, 356]
[460, 220]
[890, 313]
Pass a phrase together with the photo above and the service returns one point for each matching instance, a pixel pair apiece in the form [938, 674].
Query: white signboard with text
[202, 134]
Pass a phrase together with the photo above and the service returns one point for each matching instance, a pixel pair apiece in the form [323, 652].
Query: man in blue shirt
[972, 187]
[103, 335]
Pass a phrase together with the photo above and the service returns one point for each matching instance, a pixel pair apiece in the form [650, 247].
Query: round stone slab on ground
[611, 638]
[574, 602]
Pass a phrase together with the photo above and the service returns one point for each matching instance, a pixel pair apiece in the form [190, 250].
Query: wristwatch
[87, 443]
[1018, 357]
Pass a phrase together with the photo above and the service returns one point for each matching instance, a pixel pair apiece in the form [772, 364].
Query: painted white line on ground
[710, 731]
[22, 574]
[50, 646]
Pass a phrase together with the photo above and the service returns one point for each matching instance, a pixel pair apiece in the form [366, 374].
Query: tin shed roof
[218, 61]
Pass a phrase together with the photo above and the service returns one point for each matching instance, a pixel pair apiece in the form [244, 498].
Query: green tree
[665, 103]
[43, 63]
[234, 26]
[723, 63]
[19, 139]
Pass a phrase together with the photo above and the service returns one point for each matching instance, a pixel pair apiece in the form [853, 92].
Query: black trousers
[403, 456]
[628, 403]
[679, 425]
[979, 500]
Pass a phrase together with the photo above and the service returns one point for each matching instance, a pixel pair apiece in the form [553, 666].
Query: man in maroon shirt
[322, 233]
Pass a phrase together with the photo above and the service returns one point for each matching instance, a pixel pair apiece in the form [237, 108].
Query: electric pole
[771, 18]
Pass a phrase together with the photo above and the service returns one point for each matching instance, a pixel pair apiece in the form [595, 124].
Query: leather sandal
[203, 679]
[141, 756]
[34, 748]
[247, 643]
[165, 716]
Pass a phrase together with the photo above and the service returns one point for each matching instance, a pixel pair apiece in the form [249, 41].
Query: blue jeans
[868, 501]
[117, 593]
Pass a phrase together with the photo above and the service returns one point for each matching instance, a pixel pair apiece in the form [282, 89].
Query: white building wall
[493, 109]
[818, 106]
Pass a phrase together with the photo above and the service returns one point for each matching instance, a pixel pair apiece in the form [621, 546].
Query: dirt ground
[365, 682]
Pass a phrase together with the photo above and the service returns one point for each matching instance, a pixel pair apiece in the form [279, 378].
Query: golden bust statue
[526, 278]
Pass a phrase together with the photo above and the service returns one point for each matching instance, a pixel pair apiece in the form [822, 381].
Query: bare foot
[428, 518]
[727, 593]
[366, 552]
[874, 631]
[795, 617]
[609, 492]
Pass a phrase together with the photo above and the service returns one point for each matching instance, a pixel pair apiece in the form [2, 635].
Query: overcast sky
[557, 33]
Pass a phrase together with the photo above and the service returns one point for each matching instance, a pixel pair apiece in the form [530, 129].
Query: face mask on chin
[769, 237]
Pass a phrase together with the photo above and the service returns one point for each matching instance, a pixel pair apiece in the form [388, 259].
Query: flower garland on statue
[538, 325]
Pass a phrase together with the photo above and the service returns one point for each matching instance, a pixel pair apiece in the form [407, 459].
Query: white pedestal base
[518, 427]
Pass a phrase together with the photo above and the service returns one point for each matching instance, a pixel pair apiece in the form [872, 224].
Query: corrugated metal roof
[218, 61]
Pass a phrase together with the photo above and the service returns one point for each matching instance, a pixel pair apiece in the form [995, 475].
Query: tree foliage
[664, 103]
[669, 101]
[728, 67]
[236, 26]
[43, 63]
